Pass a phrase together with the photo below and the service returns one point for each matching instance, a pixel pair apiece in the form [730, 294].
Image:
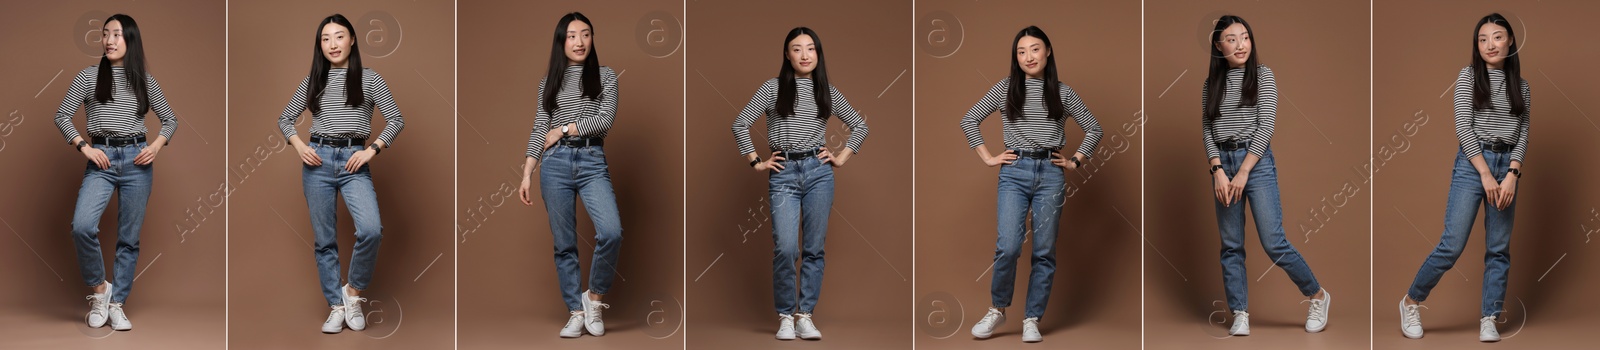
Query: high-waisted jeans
[801, 201]
[323, 185]
[1261, 194]
[568, 174]
[1035, 186]
[132, 184]
[1466, 195]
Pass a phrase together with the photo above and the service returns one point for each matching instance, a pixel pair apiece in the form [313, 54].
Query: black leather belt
[338, 142]
[581, 141]
[1232, 145]
[116, 141]
[1498, 147]
[794, 156]
[1036, 153]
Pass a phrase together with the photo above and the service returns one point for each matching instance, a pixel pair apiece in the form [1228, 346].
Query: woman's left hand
[147, 155]
[1063, 162]
[358, 159]
[1237, 188]
[827, 156]
[1508, 192]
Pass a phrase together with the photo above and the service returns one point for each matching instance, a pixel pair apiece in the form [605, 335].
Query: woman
[577, 102]
[1239, 106]
[116, 95]
[800, 172]
[1032, 173]
[341, 96]
[1492, 127]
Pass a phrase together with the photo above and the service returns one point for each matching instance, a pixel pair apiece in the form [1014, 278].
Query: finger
[523, 193]
[1009, 151]
[777, 165]
[776, 158]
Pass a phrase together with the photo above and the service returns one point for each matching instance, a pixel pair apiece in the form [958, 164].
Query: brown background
[1319, 53]
[509, 293]
[178, 299]
[1096, 49]
[1552, 260]
[275, 301]
[867, 286]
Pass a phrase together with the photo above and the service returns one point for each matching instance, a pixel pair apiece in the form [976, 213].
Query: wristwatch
[375, 149]
[80, 144]
[1516, 171]
[564, 130]
[1075, 162]
[753, 162]
[1214, 168]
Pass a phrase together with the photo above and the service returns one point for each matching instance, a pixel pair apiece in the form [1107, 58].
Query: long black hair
[1217, 80]
[819, 78]
[320, 65]
[558, 63]
[133, 66]
[1016, 97]
[1512, 67]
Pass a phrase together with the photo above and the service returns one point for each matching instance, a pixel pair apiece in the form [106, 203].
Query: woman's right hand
[522, 192]
[771, 163]
[97, 156]
[308, 155]
[1222, 187]
[1007, 157]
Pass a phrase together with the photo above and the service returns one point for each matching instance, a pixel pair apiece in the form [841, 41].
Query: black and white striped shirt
[802, 131]
[338, 120]
[593, 117]
[117, 118]
[1251, 123]
[1492, 125]
[1034, 129]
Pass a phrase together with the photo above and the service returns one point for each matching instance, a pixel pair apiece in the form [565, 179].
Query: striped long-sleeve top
[338, 120]
[593, 117]
[119, 117]
[799, 132]
[1249, 123]
[1033, 129]
[1494, 124]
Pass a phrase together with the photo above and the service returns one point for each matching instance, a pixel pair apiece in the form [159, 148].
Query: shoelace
[786, 324]
[95, 304]
[1413, 316]
[1241, 317]
[1031, 321]
[577, 317]
[989, 318]
[116, 310]
[1486, 325]
[596, 308]
[1318, 308]
[336, 314]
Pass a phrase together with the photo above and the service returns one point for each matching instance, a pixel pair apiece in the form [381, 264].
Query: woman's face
[579, 37]
[336, 42]
[1032, 56]
[1234, 42]
[802, 54]
[1493, 44]
[111, 36]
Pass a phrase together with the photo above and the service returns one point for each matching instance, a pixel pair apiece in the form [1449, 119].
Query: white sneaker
[591, 315]
[1241, 324]
[785, 327]
[807, 329]
[1486, 330]
[991, 320]
[1317, 316]
[119, 319]
[1030, 330]
[1411, 320]
[335, 322]
[352, 310]
[574, 327]
[97, 307]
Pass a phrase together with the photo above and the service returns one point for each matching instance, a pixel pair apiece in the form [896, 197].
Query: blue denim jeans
[323, 185]
[568, 174]
[132, 184]
[1261, 194]
[1466, 195]
[801, 201]
[1027, 186]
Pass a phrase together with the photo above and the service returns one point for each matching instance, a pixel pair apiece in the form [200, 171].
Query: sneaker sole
[785, 338]
[811, 337]
[1403, 322]
[1327, 313]
[565, 335]
[1488, 340]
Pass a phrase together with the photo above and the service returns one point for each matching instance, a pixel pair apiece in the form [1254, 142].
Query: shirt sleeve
[1266, 112]
[1208, 129]
[541, 125]
[759, 104]
[1086, 120]
[1522, 124]
[848, 115]
[77, 93]
[378, 93]
[291, 113]
[158, 103]
[1463, 107]
[990, 102]
[601, 120]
